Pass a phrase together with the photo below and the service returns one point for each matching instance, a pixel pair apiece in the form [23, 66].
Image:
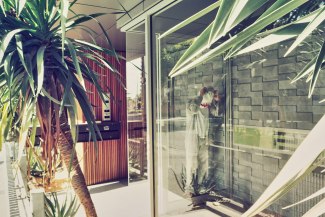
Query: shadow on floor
[95, 189]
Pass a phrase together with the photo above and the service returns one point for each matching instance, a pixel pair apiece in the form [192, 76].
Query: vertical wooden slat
[111, 161]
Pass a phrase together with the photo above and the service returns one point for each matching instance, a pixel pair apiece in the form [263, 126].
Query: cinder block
[198, 74]
[177, 92]
[257, 86]
[305, 56]
[319, 109]
[287, 76]
[244, 89]
[245, 115]
[270, 62]
[257, 100]
[265, 116]
[245, 174]
[217, 64]
[256, 108]
[245, 108]
[302, 92]
[256, 123]
[244, 81]
[270, 101]
[191, 80]
[304, 125]
[268, 178]
[287, 68]
[257, 186]
[285, 60]
[242, 61]
[257, 79]
[317, 117]
[319, 90]
[271, 93]
[204, 67]
[198, 80]
[255, 94]
[283, 50]
[257, 70]
[257, 170]
[245, 186]
[270, 85]
[270, 108]
[257, 56]
[270, 73]
[257, 159]
[294, 100]
[286, 84]
[241, 74]
[234, 81]
[271, 54]
[245, 156]
[289, 109]
[207, 72]
[292, 92]
[273, 167]
[217, 77]
[243, 101]
[207, 78]
[298, 117]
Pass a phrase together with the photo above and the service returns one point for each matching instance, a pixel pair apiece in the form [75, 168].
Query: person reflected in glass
[199, 111]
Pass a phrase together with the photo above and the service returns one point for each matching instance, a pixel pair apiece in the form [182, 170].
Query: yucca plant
[240, 21]
[42, 74]
[55, 208]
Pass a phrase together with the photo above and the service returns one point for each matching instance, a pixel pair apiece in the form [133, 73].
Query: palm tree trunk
[60, 132]
[78, 181]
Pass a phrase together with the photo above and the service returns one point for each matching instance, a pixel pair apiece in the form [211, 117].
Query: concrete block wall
[254, 170]
[263, 98]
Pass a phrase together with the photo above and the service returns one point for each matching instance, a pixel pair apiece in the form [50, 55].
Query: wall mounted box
[109, 131]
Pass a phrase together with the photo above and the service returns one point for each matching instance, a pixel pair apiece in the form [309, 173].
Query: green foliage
[240, 21]
[55, 208]
[196, 187]
[33, 48]
[42, 76]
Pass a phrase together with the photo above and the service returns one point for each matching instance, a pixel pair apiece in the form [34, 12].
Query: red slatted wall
[112, 160]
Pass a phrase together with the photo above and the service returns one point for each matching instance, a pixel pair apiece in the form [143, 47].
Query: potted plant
[42, 73]
[198, 191]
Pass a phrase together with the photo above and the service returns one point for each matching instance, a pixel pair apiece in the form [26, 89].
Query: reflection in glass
[136, 96]
[226, 128]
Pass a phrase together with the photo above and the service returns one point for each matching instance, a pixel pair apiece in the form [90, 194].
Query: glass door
[136, 103]
[224, 129]
[190, 116]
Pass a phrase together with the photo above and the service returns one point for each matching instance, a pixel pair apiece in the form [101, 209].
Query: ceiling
[163, 21]
[108, 21]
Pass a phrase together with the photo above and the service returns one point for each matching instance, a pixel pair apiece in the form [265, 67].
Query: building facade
[258, 120]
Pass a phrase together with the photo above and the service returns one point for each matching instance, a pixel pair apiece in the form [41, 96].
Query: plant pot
[202, 199]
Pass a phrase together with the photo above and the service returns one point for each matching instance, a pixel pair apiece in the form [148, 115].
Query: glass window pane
[225, 128]
[136, 96]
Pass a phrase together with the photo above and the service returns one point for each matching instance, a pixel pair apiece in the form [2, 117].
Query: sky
[133, 78]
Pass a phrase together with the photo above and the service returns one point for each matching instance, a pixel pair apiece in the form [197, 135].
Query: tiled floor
[119, 200]
[4, 204]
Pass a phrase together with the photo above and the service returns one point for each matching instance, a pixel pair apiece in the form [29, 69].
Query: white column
[37, 201]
